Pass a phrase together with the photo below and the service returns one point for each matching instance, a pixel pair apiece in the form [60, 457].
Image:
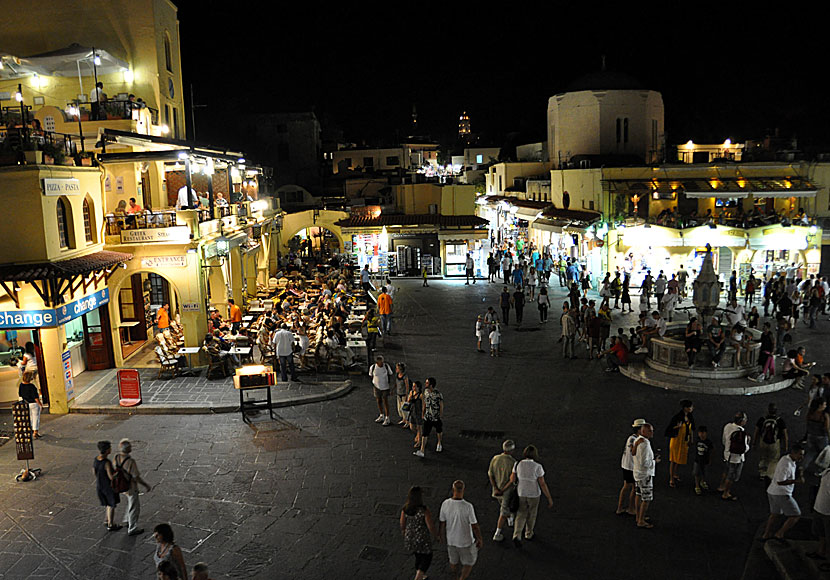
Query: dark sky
[361, 68]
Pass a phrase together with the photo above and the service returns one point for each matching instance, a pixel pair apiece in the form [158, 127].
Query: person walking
[433, 413]
[531, 283]
[680, 431]
[167, 550]
[104, 472]
[282, 343]
[480, 329]
[518, 301]
[424, 276]
[416, 411]
[735, 446]
[506, 265]
[818, 432]
[460, 530]
[780, 494]
[28, 393]
[380, 372]
[504, 302]
[660, 285]
[365, 278]
[418, 530]
[626, 293]
[491, 268]
[770, 433]
[644, 463]
[543, 304]
[499, 473]
[385, 310]
[470, 268]
[529, 478]
[128, 465]
[568, 322]
[402, 389]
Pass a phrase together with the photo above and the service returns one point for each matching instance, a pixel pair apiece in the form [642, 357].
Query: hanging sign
[153, 262]
[62, 186]
[68, 381]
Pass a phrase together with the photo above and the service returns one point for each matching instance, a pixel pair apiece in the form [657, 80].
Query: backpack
[120, 479]
[737, 442]
[769, 430]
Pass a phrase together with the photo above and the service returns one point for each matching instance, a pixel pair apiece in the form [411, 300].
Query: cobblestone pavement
[198, 392]
[317, 492]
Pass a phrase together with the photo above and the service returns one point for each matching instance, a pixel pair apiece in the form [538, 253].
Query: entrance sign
[129, 388]
[163, 261]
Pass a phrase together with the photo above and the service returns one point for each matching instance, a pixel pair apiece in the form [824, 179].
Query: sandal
[671, 483]
[730, 498]
[645, 526]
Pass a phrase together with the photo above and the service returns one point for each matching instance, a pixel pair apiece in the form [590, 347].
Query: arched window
[88, 222]
[63, 223]
[168, 54]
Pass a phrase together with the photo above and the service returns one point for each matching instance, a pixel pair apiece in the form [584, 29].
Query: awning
[547, 226]
[58, 278]
[648, 235]
[718, 236]
[787, 193]
[776, 237]
[724, 194]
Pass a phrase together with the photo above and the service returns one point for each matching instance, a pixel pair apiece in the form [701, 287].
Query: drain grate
[387, 509]
[373, 554]
[528, 329]
[475, 434]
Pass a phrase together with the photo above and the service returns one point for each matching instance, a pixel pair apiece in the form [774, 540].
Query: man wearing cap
[501, 466]
[644, 462]
[627, 494]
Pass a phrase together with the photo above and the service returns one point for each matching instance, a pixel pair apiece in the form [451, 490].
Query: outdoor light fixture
[165, 129]
[128, 76]
[96, 60]
[18, 96]
[813, 230]
[183, 155]
[241, 161]
[222, 246]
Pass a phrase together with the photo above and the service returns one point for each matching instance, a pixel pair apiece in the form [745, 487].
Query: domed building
[605, 114]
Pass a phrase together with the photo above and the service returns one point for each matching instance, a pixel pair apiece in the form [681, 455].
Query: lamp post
[76, 111]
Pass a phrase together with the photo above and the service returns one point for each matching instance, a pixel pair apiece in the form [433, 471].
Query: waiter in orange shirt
[163, 318]
[385, 311]
[235, 316]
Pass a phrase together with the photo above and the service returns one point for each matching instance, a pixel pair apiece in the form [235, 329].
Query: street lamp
[76, 112]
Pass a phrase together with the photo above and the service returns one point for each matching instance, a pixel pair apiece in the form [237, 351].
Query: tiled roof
[464, 221]
[62, 268]
[570, 215]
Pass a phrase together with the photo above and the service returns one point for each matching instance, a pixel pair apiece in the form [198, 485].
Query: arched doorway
[315, 242]
[138, 298]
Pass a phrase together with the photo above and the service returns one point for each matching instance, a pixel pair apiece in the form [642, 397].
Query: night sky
[362, 68]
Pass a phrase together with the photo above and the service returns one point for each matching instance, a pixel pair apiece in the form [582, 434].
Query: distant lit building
[464, 126]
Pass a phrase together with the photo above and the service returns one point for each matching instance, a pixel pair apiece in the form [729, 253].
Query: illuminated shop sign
[55, 316]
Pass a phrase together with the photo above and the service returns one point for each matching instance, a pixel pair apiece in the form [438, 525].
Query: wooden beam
[12, 293]
[44, 293]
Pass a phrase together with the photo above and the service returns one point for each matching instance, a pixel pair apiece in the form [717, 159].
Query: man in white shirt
[380, 373]
[644, 463]
[654, 326]
[459, 527]
[734, 314]
[283, 345]
[627, 494]
[365, 278]
[183, 201]
[96, 97]
[735, 446]
[469, 268]
[780, 494]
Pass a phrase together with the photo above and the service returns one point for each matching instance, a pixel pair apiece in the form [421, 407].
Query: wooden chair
[166, 363]
[266, 352]
[214, 363]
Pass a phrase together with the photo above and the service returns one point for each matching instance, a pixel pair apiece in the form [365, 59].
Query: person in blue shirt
[573, 272]
[518, 276]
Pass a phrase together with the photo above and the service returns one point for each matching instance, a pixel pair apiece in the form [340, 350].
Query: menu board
[23, 434]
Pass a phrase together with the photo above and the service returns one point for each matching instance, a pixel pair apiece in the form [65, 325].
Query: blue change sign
[53, 317]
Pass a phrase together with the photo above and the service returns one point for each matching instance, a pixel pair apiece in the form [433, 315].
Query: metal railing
[112, 109]
[143, 220]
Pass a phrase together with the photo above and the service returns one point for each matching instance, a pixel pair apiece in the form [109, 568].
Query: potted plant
[84, 159]
[53, 154]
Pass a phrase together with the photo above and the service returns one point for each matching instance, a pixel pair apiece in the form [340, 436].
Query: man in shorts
[627, 502]
[501, 466]
[459, 527]
[780, 494]
[644, 463]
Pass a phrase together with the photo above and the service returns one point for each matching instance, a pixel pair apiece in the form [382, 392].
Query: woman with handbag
[416, 419]
[418, 531]
[104, 472]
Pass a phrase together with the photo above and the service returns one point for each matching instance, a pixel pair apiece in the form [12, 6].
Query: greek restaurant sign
[177, 234]
[53, 317]
[55, 186]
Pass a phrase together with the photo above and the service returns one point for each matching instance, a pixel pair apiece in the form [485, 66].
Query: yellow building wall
[293, 223]
[132, 30]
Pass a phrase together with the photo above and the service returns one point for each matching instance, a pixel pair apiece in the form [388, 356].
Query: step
[638, 371]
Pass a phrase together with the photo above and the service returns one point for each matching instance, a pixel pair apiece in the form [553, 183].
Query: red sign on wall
[129, 387]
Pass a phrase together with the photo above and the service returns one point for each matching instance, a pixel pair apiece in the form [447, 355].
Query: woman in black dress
[626, 293]
[104, 473]
[418, 530]
[692, 340]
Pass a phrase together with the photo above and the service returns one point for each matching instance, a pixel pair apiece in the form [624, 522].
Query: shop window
[393, 161]
[159, 290]
[368, 162]
[87, 222]
[64, 219]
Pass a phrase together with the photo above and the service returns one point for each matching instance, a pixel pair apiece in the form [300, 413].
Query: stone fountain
[666, 364]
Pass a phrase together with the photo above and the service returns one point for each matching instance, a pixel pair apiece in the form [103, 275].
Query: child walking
[495, 340]
[703, 449]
